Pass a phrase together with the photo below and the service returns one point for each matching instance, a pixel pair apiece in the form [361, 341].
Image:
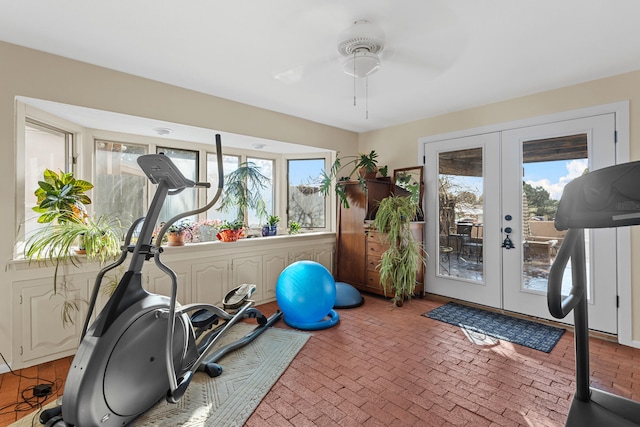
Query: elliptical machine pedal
[237, 296]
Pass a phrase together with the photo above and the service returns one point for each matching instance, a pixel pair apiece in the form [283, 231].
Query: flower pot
[229, 235]
[207, 233]
[269, 230]
[175, 239]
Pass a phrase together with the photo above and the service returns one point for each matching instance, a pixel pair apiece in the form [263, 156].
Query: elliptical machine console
[144, 347]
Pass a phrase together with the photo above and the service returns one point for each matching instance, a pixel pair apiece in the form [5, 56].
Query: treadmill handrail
[572, 248]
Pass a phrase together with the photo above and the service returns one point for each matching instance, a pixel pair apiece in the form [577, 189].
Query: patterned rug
[518, 331]
[228, 400]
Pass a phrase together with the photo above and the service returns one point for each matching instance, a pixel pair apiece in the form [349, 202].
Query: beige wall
[35, 74]
[395, 142]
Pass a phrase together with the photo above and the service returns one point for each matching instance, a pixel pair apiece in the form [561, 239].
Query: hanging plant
[400, 262]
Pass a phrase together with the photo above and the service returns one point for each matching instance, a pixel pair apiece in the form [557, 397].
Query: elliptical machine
[608, 197]
[143, 347]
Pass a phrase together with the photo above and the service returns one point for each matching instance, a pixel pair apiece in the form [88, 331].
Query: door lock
[507, 243]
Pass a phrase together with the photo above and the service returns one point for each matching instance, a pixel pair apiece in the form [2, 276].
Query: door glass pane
[549, 164]
[460, 175]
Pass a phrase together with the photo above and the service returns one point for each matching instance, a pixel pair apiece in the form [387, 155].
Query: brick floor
[384, 366]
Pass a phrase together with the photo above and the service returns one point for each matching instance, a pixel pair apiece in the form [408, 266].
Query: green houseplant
[294, 227]
[271, 227]
[398, 264]
[68, 231]
[365, 164]
[242, 190]
[179, 232]
[230, 231]
[61, 197]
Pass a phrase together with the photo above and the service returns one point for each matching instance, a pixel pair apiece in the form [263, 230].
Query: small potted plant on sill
[207, 230]
[178, 233]
[294, 227]
[230, 231]
[365, 164]
[271, 228]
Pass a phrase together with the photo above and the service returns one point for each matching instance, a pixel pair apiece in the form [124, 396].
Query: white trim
[621, 111]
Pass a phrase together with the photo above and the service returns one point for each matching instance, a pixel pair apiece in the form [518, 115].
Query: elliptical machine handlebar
[190, 183]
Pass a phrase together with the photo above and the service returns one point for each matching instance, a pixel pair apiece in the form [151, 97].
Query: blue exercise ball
[306, 292]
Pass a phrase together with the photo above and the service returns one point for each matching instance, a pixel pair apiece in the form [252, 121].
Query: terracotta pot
[229, 235]
[175, 239]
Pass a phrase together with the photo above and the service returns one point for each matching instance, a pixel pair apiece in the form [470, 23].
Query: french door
[491, 236]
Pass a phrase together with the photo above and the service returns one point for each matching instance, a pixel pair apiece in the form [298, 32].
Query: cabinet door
[272, 266]
[302, 254]
[248, 270]
[210, 281]
[324, 256]
[40, 316]
[160, 283]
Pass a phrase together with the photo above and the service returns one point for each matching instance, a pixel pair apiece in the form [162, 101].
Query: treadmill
[605, 198]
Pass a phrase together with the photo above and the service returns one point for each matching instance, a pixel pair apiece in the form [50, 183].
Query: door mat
[518, 331]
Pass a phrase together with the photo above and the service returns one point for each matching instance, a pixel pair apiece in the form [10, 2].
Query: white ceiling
[440, 55]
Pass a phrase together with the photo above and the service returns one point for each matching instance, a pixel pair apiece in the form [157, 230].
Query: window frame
[82, 162]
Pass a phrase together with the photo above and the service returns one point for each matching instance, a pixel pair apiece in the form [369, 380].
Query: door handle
[507, 243]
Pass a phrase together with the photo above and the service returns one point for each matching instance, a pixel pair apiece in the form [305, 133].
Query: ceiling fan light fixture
[361, 64]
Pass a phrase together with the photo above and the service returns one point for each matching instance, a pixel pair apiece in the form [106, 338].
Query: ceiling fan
[360, 46]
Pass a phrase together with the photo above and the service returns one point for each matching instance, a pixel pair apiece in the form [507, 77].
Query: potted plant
[179, 232]
[230, 231]
[271, 228]
[365, 164]
[242, 190]
[294, 227]
[61, 197]
[67, 230]
[398, 264]
[55, 242]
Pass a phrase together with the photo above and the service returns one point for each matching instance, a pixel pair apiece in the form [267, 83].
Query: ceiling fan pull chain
[366, 97]
[354, 78]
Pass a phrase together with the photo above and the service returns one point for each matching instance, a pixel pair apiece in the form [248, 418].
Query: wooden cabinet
[358, 249]
[350, 234]
[375, 247]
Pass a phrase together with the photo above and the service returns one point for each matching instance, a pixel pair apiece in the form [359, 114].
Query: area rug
[518, 331]
[228, 400]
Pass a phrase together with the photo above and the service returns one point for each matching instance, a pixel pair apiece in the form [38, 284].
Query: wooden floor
[384, 366]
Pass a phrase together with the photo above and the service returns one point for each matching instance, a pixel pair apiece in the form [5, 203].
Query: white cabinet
[158, 282]
[324, 255]
[205, 272]
[210, 281]
[38, 318]
[247, 269]
[272, 266]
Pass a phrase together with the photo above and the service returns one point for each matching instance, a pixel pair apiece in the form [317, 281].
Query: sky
[553, 176]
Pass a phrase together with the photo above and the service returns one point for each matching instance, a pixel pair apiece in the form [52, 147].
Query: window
[306, 203]
[266, 168]
[187, 162]
[45, 147]
[229, 164]
[120, 185]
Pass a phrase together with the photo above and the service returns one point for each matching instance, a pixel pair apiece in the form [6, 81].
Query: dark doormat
[518, 331]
